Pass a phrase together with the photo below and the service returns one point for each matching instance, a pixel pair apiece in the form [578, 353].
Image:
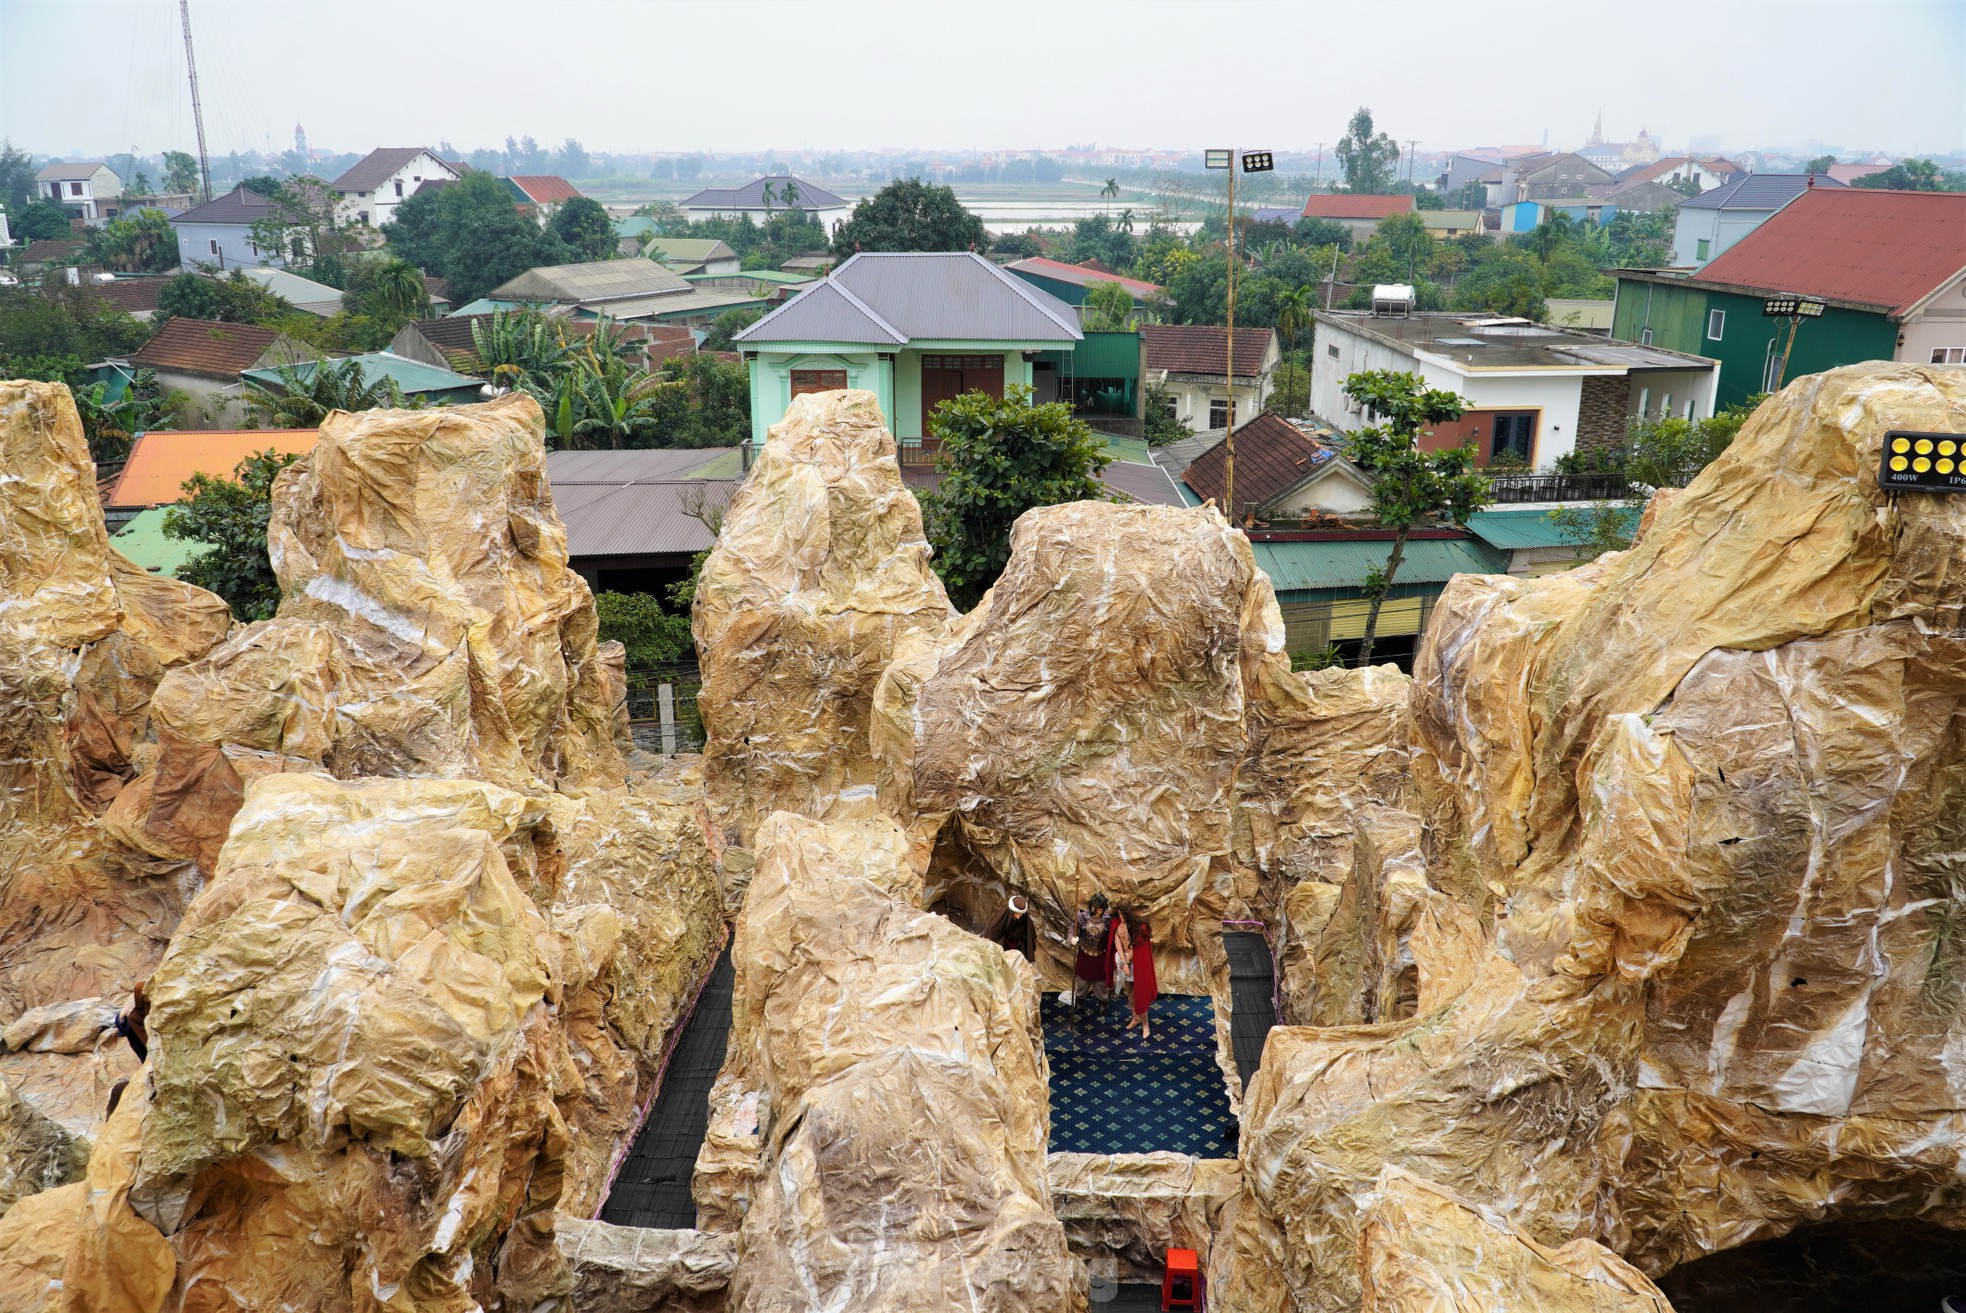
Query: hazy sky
[95, 76]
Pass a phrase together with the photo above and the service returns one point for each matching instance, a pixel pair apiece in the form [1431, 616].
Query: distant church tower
[1597, 131]
[300, 141]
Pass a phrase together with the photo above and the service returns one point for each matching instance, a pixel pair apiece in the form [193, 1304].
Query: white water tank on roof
[1392, 300]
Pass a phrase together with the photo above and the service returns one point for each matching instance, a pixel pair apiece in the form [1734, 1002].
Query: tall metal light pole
[197, 109]
[1259, 161]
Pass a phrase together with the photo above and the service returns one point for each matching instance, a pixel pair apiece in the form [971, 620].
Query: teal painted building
[915, 329]
[434, 385]
[1725, 323]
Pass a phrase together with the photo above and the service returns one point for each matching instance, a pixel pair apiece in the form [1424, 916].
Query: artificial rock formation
[1680, 963]
[900, 1089]
[821, 569]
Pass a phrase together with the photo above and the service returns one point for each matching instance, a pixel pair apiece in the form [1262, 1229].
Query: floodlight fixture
[1257, 161]
[1923, 462]
[1218, 159]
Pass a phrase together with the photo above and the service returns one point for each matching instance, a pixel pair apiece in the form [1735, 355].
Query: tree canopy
[998, 459]
[583, 227]
[910, 215]
[1367, 157]
[40, 222]
[233, 299]
[1409, 485]
[470, 233]
[229, 516]
[143, 242]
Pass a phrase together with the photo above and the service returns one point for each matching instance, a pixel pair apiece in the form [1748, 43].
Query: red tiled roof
[1204, 348]
[1272, 457]
[1345, 206]
[130, 295]
[199, 346]
[1080, 275]
[545, 189]
[160, 461]
[1882, 248]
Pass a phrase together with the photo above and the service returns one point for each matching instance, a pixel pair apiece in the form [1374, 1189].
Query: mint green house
[915, 329]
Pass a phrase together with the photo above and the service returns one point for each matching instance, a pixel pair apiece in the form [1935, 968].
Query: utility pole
[1318, 181]
[197, 110]
[1229, 443]
[1410, 144]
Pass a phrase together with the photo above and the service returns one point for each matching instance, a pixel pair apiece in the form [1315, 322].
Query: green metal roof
[1296, 566]
[484, 305]
[143, 541]
[1134, 451]
[775, 277]
[634, 225]
[412, 376]
[1512, 530]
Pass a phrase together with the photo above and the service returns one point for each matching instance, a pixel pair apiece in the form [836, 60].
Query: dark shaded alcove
[1861, 1267]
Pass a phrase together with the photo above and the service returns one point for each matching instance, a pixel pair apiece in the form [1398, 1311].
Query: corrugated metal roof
[161, 460]
[689, 250]
[1757, 191]
[1882, 248]
[636, 503]
[1295, 566]
[1512, 530]
[693, 300]
[895, 298]
[240, 207]
[751, 196]
[597, 280]
[412, 376]
[142, 540]
[1078, 275]
[1147, 484]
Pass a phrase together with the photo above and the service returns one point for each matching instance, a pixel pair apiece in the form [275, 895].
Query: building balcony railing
[1515, 489]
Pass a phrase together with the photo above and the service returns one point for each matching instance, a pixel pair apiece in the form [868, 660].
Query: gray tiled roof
[751, 196]
[375, 168]
[891, 299]
[596, 280]
[238, 206]
[1756, 191]
[634, 503]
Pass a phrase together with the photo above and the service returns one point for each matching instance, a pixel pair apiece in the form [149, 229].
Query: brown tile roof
[133, 296]
[376, 167]
[1347, 206]
[1882, 248]
[51, 250]
[201, 346]
[1272, 457]
[1204, 348]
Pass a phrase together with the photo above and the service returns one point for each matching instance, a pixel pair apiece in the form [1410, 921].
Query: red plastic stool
[1180, 1285]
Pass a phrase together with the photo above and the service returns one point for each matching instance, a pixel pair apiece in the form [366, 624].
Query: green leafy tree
[1367, 157]
[265, 184]
[143, 243]
[307, 393]
[520, 348]
[233, 299]
[1097, 237]
[53, 332]
[1908, 175]
[573, 160]
[180, 172]
[229, 516]
[1685, 186]
[1021, 245]
[583, 226]
[726, 326]
[1292, 390]
[712, 408]
[1820, 164]
[414, 231]
[42, 221]
[485, 240]
[1509, 284]
[399, 287]
[110, 425]
[1108, 308]
[1161, 424]
[1294, 307]
[910, 215]
[16, 179]
[139, 184]
[1549, 237]
[1409, 485]
[998, 459]
[1663, 452]
[637, 621]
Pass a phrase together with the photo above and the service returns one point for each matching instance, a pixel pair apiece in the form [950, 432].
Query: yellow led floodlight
[1923, 462]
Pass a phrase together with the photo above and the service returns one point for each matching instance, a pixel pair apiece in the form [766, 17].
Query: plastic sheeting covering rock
[428, 625]
[903, 1092]
[1135, 1207]
[621, 1269]
[1422, 1250]
[1701, 797]
[821, 568]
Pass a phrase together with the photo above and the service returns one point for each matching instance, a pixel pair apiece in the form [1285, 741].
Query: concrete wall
[380, 204]
[213, 403]
[233, 242]
[1941, 325]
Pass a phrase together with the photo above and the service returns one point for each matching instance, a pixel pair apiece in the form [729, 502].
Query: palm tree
[1126, 220]
[1553, 233]
[520, 349]
[307, 392]
[770, 196]
[788, 195]
[1293, 307]
[400, 285]
[1110, 192]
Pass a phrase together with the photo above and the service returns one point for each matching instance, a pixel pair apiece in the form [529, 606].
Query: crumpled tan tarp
[1130, 1209]
[903, 1084]
[1702, 794]
[1423, 1250]
[429, 625]
[820, 571]
[84, 639]
[623, 1269]
[36, 1152]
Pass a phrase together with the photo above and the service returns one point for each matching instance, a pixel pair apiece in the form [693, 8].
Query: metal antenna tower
[197, 110]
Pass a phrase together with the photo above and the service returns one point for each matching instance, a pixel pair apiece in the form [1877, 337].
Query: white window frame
[1716, 324]
[1645, 337]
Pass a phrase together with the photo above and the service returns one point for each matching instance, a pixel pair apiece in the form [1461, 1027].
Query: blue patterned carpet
[1112, 1092]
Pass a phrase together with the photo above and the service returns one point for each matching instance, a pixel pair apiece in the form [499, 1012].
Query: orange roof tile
[1343, 205]
[161, 460]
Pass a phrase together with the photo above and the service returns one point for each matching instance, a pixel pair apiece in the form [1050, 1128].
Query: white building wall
[380, 204]
[1941, 325]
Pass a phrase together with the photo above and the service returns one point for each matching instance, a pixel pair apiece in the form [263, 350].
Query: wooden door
[944, 378]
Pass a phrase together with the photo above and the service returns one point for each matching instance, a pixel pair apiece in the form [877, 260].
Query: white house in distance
[383, 179]
[1192, 362]
[90, 188]
[1536, 391]
[763, 197]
